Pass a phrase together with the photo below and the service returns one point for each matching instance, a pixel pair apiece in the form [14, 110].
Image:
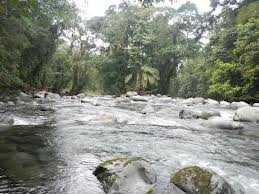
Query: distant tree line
[46, 45]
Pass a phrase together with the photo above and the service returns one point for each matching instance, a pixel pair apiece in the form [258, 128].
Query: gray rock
[24, 97]
[256, 105]
[139, 98]
[224, 104]
[189, 114]
[148, 109]
[193, 101]
[222, 123]
[10, 103]
[211, 102]
[126, 176]
[131, 94]
[236, 105]
[196, 180]
[249, 114]
[82, 95]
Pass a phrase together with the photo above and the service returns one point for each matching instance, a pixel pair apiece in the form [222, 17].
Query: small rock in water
[131, 94]
[256, 105]
[236, 105]
[196, 180]
[148, 109]
[222, 123]
[10, 103]
[139, 98]
[224, 104]
[82, 95]
[189, 114]
[212, 102]
[126, 176]
[249, 114]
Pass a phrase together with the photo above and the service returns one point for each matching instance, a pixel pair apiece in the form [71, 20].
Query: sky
[91, 8]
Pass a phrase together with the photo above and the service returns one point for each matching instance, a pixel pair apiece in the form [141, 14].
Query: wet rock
[41, 94]
[173, 189]
[236, 105]
[23, 97]
[139, 98]
[222, 123]
[103, 119]
[212, 102]
[126, 176]
[82, 95]
[224, 104]
[131, 94]
[46, 108]
[197, 180]
[52, 96]
[249, 114]
[193, 101]
[48, 95]
[189, 114]
[148, 109]
[10, 103]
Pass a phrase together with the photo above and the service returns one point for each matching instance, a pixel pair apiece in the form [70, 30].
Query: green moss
[150, 191]
[199, 177]
[106, 172]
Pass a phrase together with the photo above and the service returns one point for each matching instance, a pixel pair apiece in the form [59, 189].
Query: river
[57, 152]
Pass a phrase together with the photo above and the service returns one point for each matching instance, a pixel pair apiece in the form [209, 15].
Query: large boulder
[126, 176]
[189, 114]
[131, 93]
[196, 180]
[222, 123]
[236, 105]
[247, 114]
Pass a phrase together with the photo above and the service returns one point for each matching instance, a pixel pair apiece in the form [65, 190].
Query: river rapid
[57, 152]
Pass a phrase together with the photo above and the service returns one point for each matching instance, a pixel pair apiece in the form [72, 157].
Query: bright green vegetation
[146, 48]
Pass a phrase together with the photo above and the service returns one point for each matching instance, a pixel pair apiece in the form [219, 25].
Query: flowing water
[57, 152]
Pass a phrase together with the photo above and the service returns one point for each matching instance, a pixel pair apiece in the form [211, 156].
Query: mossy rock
[196, 180]
[126, 175]
[107, 172]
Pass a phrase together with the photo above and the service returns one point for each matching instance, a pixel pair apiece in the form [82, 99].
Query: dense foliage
[45, 44]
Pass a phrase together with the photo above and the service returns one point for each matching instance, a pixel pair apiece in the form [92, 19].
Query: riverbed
[57, 152]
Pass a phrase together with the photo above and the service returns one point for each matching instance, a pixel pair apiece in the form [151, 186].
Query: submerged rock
[249, 114]
[148, 109]
[189, 114]
[126, 176]
[222, 123]
[196, 180]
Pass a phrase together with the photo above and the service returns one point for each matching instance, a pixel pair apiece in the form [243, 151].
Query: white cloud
[90, 8]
